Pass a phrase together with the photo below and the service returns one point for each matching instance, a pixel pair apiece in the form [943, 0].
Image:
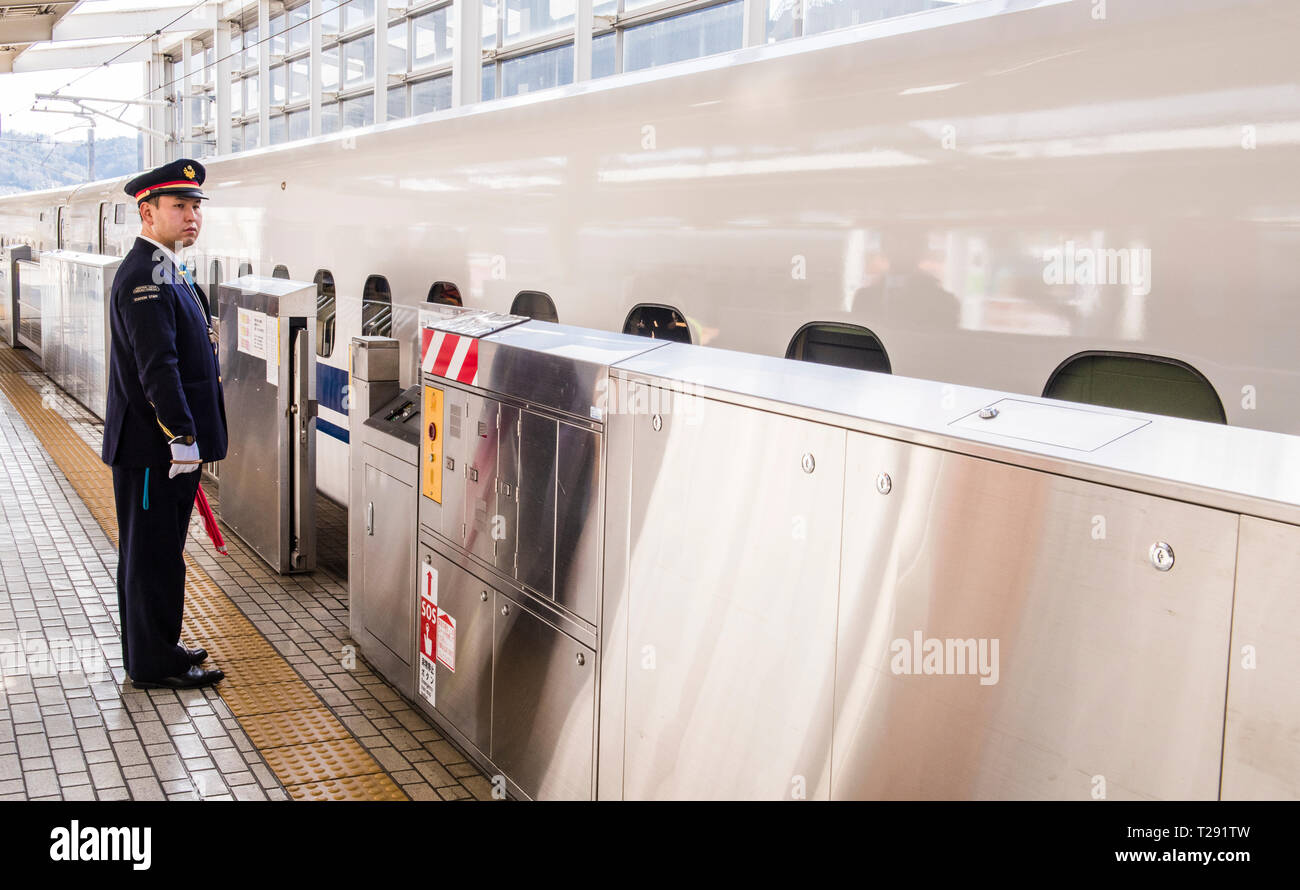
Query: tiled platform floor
[71, 724]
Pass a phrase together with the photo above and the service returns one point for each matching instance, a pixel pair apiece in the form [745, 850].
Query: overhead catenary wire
[156, 32]
[163, 86]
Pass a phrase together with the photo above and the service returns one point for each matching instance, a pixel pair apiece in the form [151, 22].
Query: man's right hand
[185, 459]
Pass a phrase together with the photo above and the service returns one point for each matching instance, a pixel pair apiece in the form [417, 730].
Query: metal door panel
[543, 705]
[253, 497]
[537, 503]
[577, 520]
[388, 576]
[1261, 748]
[455, 447]
[464, 696]
[731, 605]
[302, 449]
[30, 296]
[1109, 675]
[508, 489]
[481, 477]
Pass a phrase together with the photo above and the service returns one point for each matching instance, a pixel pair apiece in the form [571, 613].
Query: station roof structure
[87, 33]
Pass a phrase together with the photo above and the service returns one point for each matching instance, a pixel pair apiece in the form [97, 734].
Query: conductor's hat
[181, 177]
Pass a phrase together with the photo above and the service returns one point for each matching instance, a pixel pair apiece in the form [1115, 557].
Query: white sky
[124, 81]
[17, 91]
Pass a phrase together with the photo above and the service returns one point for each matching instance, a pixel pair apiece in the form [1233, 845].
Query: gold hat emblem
[188, 171]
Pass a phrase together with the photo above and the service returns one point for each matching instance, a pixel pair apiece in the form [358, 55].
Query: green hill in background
[31, 161]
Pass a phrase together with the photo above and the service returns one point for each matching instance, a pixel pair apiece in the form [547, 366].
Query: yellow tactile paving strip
[306, 746]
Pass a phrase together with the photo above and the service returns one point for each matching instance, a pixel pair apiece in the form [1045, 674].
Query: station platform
[299, 715]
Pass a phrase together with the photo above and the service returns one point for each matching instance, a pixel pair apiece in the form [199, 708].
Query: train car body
[982, 194]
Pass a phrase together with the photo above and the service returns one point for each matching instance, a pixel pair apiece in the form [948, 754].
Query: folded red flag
[210, 522]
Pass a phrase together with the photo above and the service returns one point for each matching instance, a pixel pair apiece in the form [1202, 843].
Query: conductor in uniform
[165, 418]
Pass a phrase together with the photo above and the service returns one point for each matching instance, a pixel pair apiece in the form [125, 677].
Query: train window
[119, 215]
[1136, 382]
[280, 272]
[658, 322]
[377, 308]
[325, 307]
[245, 269]
[444, 292]
[843, 345]
[103, 227]
[534, 304]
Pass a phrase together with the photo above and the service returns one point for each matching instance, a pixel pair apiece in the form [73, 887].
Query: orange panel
[431, 445]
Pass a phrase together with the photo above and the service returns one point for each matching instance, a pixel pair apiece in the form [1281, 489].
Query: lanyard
[212, 335]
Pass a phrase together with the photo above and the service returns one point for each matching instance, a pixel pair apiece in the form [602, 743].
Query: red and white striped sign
[449, 355]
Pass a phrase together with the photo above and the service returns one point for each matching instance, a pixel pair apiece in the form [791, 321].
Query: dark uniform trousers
[151, 566]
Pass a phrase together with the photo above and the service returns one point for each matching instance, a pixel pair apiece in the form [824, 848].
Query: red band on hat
[163, 185]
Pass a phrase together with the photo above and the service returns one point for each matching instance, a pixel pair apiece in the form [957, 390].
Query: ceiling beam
[26, 28]
[52, 56]
[133, 23]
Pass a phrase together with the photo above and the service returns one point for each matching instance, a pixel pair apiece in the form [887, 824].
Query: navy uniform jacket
[164, 379]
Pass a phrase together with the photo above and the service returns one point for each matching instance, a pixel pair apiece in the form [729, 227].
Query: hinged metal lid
[469, 322]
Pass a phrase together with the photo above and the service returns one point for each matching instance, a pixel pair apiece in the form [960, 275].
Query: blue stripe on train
[331, 389]
[329, 429]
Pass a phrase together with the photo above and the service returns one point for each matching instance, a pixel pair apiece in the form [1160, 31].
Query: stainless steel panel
[302, 410]
[481, 477]
[376, 360]
[30, 288]
[8, 301]
[254, 473]
[543, 705]
[731, 607]
[555, 366]
[464, 696]
[1261, 744]
[612, 694]
[388, 573]
[1230, 468]
[1082, 429]
[74, 327]
[266, 451]
[366, 393]
[508, 489]
[537, 435]
[10, 256]
[1097, 672]
[456, 445]
[579, 462]
[288, 298]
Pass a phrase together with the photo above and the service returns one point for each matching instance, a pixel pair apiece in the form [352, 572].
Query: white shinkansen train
[1024, 196]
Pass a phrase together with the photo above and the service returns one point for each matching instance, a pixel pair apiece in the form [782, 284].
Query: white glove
[185, 459]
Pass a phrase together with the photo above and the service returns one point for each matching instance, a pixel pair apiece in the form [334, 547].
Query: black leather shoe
[197, 656]
[191, 679]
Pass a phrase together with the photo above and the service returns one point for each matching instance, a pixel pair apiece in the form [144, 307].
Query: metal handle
[505, 610]
[370, 518]
[582, 659]
[483, 596]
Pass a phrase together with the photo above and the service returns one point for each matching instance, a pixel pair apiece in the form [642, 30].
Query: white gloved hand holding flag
[185, 459]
